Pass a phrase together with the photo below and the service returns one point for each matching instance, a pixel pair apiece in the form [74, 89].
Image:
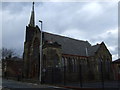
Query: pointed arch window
[36, 50]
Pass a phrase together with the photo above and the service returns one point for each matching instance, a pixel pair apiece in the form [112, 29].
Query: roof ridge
[95, 45]
[66, 37]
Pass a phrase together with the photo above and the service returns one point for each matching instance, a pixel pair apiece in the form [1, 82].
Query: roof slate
[71, 46]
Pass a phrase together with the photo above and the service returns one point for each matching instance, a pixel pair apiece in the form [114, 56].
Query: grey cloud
[14, 7]
[70, 19]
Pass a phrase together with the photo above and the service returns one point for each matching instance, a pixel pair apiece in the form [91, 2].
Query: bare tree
[5, 53]
[0, 54]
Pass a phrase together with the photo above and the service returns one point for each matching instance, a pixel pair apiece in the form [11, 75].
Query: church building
[63, 57]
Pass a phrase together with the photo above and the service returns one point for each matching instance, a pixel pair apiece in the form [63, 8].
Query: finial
[33, 3]
[33, 6]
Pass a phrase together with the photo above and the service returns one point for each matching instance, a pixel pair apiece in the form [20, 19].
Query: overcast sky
[91, 21]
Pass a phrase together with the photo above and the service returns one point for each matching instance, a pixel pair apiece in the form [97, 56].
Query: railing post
[102, 77]
[64, 73]
[80, 74]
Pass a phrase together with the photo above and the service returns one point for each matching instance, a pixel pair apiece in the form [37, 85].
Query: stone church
[63, 57]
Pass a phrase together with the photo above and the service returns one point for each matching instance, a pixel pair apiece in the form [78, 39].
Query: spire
[32, 20]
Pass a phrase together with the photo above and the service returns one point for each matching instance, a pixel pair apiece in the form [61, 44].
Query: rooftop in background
[14, 59]
[116, 61]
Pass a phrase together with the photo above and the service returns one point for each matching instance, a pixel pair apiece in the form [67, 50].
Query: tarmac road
[15, 85]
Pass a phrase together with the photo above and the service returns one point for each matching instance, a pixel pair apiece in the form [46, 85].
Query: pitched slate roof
[71, 46]
[93, 49]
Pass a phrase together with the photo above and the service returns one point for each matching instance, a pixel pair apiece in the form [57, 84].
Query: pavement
[111, 85]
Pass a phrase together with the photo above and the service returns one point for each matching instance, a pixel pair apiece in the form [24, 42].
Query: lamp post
[40, 78]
